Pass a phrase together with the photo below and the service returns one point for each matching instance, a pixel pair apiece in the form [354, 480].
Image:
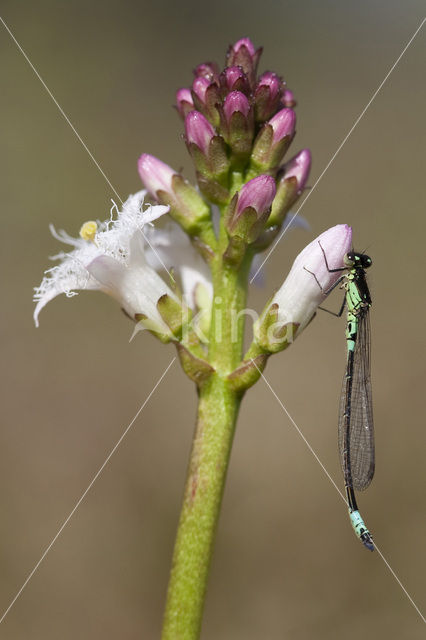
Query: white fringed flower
[110, 257]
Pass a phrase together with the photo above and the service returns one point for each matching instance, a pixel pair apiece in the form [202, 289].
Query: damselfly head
[353, 260]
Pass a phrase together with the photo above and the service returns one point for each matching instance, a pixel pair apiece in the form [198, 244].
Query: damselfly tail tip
[367, 541]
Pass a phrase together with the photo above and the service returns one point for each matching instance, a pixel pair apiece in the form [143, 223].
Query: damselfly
[356, 433]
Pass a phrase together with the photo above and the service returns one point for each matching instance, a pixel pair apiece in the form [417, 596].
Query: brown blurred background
[287, 564]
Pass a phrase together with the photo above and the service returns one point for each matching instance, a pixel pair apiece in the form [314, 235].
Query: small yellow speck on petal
[88, 231]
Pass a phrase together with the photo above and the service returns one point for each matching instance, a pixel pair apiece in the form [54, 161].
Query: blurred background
[287, 564]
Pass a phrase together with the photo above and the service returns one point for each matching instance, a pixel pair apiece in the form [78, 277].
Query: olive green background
[287, 564]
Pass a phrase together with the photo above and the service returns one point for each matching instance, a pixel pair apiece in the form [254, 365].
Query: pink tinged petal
[184, 94]
[271, 80]
[199, 130]
[257, 193]
[231, 75]
[208, 70]
[155, 175]
[288, 98]
[283, 124]
[244, 42]
[199, 87]
[184, 101]
[236, 101]
[299, 168]
[300, 295]
[243, 54]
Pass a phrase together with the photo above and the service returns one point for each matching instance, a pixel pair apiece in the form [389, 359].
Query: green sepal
[187, 207]
[212, 190]
[247, 224]
[238, 133]
[264, 107]
[215, 164]
[152, 327]
[266, 156]
[196, 369]
[285, 197]
[247, 373]
[271, 335]
[173, 283]
[235, 251]
[209, 107]
[174, 313]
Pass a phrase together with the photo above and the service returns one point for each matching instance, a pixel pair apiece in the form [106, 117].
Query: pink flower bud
[184, 102]
[199, 87]
[271, 80]
[257, 193]
[288, 99]
[244, 42]
[298, 167]
[208, 70]
[234, 78]
[199, 130]
[243, 54]
[300, 295]
[235, 101]
[155, 175]
[283, 124]
[267, 95]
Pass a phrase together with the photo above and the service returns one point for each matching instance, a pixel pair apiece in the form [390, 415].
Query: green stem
[217, 413]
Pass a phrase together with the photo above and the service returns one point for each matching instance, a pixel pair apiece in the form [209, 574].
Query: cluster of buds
[238, 127]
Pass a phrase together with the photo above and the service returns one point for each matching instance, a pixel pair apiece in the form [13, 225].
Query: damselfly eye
[349, 259]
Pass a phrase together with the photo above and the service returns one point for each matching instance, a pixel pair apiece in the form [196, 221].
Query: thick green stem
[217, 413]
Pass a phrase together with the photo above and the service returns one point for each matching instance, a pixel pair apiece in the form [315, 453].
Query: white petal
[176, 251]
[66, 278]
[136, 288]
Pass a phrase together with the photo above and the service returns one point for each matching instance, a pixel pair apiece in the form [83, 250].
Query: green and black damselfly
[356, 432]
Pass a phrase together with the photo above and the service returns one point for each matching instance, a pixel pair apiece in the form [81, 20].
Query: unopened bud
[273, 140]
[295, 303]
[168, 187]
[291, 181]
[267, 95]
[244, 55]
[250, 207]
[209, 70]
[237, 124]
[184, 102]
[234, 79]
[288, 99]
[207, 149]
